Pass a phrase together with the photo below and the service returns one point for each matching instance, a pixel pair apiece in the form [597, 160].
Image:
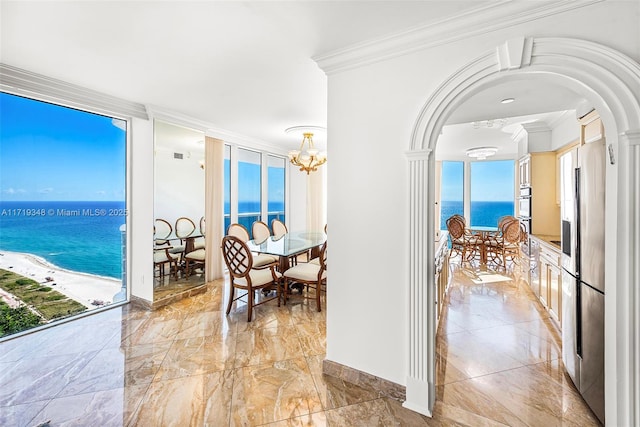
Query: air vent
[178, 156]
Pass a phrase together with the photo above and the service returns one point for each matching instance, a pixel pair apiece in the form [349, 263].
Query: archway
[610, 81]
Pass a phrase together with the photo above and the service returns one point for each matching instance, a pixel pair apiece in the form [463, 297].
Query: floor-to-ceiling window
[62, 212]
[275, 187]
[249, 187]
[452, 191]
[492, 191]
[251, 178]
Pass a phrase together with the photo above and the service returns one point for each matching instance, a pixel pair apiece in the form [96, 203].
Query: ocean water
[485, 214]
[249, 212]
[78, 236]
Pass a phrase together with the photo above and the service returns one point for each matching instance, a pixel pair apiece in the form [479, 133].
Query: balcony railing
[248, 218]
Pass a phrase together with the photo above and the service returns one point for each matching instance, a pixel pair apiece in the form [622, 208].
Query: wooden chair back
[504, 220]
[455, 226]
[237, 256]
[511, 232]
[260, 231]
[161, 231]
[239, 231]
[184, 227]
[278, 227]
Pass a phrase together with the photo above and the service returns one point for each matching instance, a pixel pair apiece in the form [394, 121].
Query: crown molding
[481, 20]
[211, 130]
[25, 83]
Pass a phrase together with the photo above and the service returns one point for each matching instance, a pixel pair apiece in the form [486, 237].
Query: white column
[421, 376]
[634, 279]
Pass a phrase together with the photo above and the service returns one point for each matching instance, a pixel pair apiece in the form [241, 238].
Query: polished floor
[187, 364]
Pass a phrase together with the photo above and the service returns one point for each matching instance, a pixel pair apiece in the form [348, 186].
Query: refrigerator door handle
[576, 258]
[576, 204]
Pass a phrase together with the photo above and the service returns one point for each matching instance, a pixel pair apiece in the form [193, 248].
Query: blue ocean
[485, 214]
[78, 236]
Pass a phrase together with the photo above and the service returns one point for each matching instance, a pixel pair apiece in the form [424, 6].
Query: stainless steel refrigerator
[583, 291]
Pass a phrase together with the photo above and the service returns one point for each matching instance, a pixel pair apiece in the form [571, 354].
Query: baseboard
[362, 379]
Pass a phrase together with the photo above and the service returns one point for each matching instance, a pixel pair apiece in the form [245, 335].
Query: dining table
[288, 245]
[483, 233]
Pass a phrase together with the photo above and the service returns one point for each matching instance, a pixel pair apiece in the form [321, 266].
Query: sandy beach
[82, 287]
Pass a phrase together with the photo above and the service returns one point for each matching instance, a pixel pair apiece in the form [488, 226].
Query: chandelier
[310, 159]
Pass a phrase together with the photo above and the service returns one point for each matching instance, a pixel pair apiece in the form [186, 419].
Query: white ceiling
[241, 66]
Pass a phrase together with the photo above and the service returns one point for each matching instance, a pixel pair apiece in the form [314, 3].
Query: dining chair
[200, 241]
[309, 274]
[243, 276]
[260, 231]
[505, 246]
[463, 242]
[259, 260]
[161, 257]
[278, 227]
[194, 259]
[184, 227]
[161, 232]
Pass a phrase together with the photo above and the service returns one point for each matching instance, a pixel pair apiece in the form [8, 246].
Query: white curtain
[317, 199]
[214, 199]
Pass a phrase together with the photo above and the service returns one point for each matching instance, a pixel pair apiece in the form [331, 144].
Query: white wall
[179, 187]
[141, 210]
[297, 201]
[372, 111]
[565, 131]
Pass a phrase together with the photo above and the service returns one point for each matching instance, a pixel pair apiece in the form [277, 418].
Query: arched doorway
[609, 81]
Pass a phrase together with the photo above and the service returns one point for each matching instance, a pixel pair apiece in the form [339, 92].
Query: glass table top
[288, 244]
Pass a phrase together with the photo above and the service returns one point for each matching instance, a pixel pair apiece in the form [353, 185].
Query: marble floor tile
[104, 408]
[334, 392]
[312, 337]
[195, 356]
[206, 323]
[21, 415]
[37, 379]
[498, 363]
[267, 345]
[175, 402]
[273, 392]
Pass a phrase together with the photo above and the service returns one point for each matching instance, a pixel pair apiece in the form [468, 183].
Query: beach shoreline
[82, 287]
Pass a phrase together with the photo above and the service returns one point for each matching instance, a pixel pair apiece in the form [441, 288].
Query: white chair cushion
[161, 256]
[306, 271]
[258, 277]
[198, 255]
[261, 260]
[315, 261]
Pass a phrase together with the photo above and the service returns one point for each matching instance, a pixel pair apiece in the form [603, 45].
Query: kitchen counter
[553, 241]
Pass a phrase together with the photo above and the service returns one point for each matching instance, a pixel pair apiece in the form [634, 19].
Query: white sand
[82, 287]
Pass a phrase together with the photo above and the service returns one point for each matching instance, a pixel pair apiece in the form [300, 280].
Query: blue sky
[48, 153]
[490, 180]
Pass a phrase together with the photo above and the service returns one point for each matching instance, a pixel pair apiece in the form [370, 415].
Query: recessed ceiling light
[507, 100]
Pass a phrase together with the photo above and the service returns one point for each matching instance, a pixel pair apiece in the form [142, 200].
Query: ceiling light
[491, 123]
[507, 100]
[310, 159]
[481, 153]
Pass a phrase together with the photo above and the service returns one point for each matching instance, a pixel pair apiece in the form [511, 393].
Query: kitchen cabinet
[538, 171]
[546, 277]
[562, 155]
[524, 171]
[441, 271]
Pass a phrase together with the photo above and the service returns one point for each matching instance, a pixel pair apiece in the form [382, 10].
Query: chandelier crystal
[310, 159]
